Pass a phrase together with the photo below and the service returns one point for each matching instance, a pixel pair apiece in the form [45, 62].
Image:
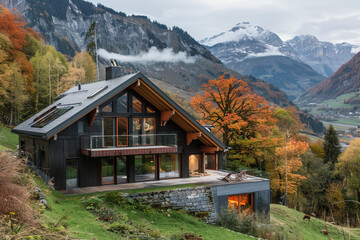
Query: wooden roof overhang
[178, 117]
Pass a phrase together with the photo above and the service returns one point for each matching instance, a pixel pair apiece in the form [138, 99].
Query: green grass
[8, 140]
[83, 224]
[297, 228]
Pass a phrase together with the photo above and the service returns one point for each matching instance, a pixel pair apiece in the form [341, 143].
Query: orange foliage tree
[294, 151]
[231, 106]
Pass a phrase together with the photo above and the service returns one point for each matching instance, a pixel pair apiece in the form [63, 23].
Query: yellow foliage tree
[294, 151]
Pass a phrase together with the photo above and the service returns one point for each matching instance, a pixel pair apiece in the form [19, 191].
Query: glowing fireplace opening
[242, 204]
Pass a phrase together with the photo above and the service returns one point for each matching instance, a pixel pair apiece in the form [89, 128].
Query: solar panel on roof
[50, 116]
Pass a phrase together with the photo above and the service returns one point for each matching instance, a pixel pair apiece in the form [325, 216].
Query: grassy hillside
[84, 224]
[8, 140]
[292, 222]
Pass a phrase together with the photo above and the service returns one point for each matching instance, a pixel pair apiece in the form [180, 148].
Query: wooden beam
[192, 136]
[92, 116]
[165, 116]
[207, 149]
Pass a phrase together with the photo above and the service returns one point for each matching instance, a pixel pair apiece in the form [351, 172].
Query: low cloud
[152, 56]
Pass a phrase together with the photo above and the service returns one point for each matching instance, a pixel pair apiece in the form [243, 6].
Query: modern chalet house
[122, 129]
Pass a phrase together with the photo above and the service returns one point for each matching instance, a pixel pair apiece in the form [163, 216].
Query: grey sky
[329, 20]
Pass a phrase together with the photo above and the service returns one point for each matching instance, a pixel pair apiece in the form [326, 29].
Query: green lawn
[8, 140]
[83, 224]
[297, 228]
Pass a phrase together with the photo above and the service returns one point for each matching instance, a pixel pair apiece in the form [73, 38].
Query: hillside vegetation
[292, 222]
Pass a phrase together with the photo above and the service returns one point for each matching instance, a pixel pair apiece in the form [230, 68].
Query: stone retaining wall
[197, 199]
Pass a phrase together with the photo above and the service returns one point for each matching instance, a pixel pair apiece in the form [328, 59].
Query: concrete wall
[260, 189]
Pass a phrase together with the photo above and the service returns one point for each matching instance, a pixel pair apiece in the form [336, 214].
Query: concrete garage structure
[250, 195]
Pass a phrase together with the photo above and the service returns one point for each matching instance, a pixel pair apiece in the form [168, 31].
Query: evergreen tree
[90, 39]
[331, 147]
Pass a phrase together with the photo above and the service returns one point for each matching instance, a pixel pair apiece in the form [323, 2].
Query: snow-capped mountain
[237, 46]
[246, 40]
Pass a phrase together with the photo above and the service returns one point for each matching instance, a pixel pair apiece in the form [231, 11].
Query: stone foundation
[194, 200]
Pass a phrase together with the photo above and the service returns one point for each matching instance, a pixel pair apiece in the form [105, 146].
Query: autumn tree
[348, 167]
[294, 150]
[331, 146]
[288, 123]
[230, 105]
[49, 68]
[17, 72]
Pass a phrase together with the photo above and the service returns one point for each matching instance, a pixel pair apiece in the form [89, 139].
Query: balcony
[123, 145]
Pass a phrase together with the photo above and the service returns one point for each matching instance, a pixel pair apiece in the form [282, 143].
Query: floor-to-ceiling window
[108, 130]
[71, 173]
[145, 167]
[169, 165]
[121, 175]
[143, 131]
[242, 203]
[107, 170]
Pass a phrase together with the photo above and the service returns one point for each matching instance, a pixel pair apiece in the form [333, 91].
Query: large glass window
[71, 173]
[144, 167]
[143, 131]
[210, 161]
[122, 104]
[137, 105]
[137, 131]
[169, 166]
[122, 131]
[121, 169]
[242, 204]
[107, 171]
[107, 108]
[149, 129]
[109, 136]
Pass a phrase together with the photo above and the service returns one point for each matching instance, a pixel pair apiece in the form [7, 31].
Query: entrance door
[195, 163]
[210, 161]
[107, 171]
[71, 173]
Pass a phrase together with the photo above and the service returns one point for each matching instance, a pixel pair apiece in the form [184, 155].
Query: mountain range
[64, 23]
[293, 66]
[343, 81]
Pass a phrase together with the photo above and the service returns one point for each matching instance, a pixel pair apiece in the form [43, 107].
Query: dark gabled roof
[91, 95]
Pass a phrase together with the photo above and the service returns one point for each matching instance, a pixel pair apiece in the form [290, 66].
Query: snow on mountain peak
[242, 30]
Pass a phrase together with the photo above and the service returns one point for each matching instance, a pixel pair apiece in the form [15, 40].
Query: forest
[314, 178]
[33, 73]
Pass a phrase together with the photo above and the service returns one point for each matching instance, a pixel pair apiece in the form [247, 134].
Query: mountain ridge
[345, 80]
[324, 57]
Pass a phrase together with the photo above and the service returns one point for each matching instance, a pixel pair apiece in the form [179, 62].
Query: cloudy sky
[329, 20]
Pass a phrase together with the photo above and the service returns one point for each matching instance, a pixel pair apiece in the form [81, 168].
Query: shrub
[257, 225]
[92, 202]
[105, 214]
[14, 194]
[154, 233]
[113, 198]
[120, 227]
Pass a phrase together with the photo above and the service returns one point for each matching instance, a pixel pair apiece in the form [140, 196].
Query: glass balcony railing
[118, 141]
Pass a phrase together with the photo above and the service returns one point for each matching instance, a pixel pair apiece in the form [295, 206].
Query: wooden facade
[70, 148]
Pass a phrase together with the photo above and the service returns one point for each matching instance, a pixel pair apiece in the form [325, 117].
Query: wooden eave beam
[165, 116]
[207, 149]
[92, 116]
[192, 136]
